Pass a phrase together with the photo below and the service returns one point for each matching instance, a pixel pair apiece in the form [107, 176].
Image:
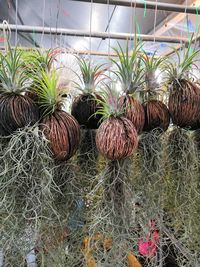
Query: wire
[16, 21]
[108, 16]
[57, 18]
[111, 16]
[43, 17]
[6, 35]
[90, 42]
[132, 19]
[155, 19]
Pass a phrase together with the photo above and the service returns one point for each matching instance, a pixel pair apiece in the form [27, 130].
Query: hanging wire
[197, 19]
[43, 18]
[90, 42]
[50, 27]
[134, 15]
[196, 27]
[16, 15]
[155, 19]
[57, 18]
[106, 30]
[145, 8]
[108, 16]
[6, 35]
[182, 28]
[136, 24]
[131, 20]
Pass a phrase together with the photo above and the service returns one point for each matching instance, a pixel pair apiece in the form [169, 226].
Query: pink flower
[148, 246]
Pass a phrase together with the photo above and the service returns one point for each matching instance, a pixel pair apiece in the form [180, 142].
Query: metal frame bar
[148, 5]
[65, 50]
[102, 35]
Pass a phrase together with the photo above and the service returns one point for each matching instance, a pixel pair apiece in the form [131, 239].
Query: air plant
[60, 128]
[85, 105]
[184, 94]
[36, 61]
[116, 138]
[157, 120]
[108, 216]
[130, 73]
[156, 112]
[16, 109]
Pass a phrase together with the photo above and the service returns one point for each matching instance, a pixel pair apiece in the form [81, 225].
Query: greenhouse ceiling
[98, 25]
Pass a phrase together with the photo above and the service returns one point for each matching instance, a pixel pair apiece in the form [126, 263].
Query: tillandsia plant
[184, 94]
[116, 138]
[130, 74]
[156, 112]
[85, 105]
[110, 219]
[36, 61]
[16, 109]
[60, 128]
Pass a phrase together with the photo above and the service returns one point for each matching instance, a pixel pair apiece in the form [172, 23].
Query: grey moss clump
[74, 219]
[27, 187]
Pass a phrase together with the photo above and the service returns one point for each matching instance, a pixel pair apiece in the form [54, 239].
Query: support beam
[172, 20]
[149, 5]
[102, 35]
[70, 51]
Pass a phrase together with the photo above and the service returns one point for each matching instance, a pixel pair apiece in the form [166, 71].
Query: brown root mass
[84, 108]
[116, 138]
[184, 104]
[134, 111]
[63, 132]
[156, 115]
[16, 111]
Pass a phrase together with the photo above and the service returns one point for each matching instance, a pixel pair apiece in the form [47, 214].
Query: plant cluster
[140, 207]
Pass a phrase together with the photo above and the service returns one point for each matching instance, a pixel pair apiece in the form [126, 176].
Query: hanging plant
[156, 112]
[60, 128]
[116, 138]
[184, 94]
[16, 109]
[129, 74]
[36, 61]
[85, 105]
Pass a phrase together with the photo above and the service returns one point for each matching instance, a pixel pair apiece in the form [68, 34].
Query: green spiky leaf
[92, 75]
[110, 102]
[46, 88]
[181, 68]
[13, 78]
[128, 67]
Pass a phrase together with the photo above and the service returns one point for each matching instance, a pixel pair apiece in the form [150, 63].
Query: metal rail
[65, 50]
[102, 35]
[149, 5]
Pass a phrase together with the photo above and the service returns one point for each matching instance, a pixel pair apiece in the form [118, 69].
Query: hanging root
[27, 187]
[151, 151]
[111, 228]
[181, 152]
[77, 219]
[181, 195]
[88, 154]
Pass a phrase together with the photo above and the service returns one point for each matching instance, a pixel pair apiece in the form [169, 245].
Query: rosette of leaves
[184, 94]
[85, 106]
[17, 110]
[156, 112]
[36, 61]
[60, 128]
[116, 137]
[130, 73]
